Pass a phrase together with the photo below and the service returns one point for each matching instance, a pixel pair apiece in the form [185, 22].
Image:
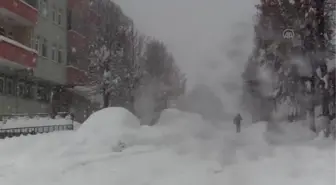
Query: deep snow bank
[104, 129]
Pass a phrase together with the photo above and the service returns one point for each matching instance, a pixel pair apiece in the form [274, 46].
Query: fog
[210, 39]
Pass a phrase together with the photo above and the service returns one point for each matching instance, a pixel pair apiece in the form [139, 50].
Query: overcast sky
[203, 35]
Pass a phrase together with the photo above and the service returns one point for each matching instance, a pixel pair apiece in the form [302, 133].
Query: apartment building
[38, 44]
[83, 20]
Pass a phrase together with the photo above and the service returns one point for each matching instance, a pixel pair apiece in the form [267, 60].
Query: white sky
[200, 33]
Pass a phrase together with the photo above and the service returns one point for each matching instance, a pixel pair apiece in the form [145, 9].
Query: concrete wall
[55, 34]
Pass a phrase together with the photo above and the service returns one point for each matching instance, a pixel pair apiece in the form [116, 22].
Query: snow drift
[105, 128]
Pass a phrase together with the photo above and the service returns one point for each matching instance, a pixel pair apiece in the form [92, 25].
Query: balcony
[19, 12]
[94, 17]
[76, 31]
[13, 54]
[75, 75]
[80, 4]
[76, 40]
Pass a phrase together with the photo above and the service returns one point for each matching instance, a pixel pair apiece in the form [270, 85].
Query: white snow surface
[181, 149]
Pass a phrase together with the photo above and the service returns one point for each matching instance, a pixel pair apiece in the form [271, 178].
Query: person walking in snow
[237, 121]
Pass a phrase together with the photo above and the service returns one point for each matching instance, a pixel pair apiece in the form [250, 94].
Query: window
[2, 85]
[10, 35]
[41, 93]
[44, 47]
[53, 53]
[32, 40]
[54, 14]
[43, 8]
[69, 18]
[2, 31]
[9, 87]
[28, 93]
[59, 17]
[60, 58]
[37, 44]
[21, 89]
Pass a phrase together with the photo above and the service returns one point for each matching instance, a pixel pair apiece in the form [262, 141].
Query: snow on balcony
[18, 11]
[76, 39]
[15, 54]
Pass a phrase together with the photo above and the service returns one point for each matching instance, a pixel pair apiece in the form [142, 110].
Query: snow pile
[290, 133]
[104, 129]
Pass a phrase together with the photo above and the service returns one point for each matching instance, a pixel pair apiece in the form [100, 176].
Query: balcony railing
[20, 11]
[16, 53]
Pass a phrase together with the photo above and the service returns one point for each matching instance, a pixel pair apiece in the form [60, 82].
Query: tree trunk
[320, 19]
[311, 110]
[106, 99]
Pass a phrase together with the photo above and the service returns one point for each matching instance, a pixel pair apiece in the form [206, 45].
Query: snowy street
[181, 149]
[214, 92]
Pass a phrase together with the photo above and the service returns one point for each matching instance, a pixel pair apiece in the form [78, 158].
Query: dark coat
[237, 119]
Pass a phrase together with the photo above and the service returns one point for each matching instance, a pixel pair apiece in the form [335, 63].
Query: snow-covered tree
[296, 64]
[113, 67]
[161, 81]
[124, 62]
